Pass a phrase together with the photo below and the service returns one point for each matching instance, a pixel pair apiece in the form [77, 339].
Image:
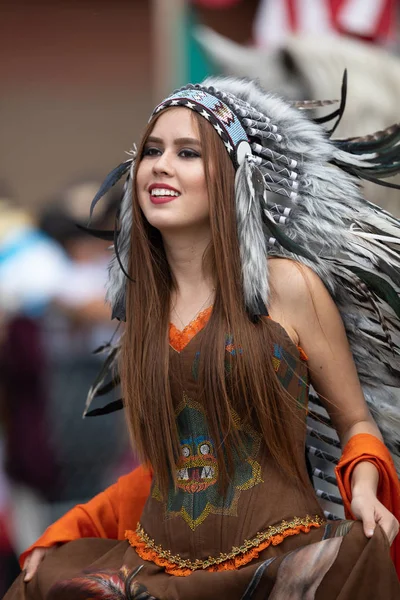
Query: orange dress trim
[147, 549]
[178, 339]
[303, 355]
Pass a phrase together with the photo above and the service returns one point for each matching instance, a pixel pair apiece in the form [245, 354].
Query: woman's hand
[33, 561]
[366, 507]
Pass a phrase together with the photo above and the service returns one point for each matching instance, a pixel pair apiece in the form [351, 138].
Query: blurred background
[78, 82]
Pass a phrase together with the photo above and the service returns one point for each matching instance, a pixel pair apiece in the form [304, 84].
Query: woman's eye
[187, 153]
[151, 152]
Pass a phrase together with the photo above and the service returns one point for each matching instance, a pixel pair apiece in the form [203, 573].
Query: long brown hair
[253, 389]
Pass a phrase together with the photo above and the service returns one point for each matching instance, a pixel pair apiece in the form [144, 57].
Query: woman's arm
[96, 518]
[107, 515]
[307, 307]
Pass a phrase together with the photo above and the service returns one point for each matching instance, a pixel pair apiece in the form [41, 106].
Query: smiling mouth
[156, 192]
[162, 195]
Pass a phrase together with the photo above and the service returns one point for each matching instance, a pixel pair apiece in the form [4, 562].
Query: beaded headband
[243, 129]
[216, 112]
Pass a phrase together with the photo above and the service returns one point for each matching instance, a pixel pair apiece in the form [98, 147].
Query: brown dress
[266, 537]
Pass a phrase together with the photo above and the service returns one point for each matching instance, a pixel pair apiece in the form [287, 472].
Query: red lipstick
[162, 198]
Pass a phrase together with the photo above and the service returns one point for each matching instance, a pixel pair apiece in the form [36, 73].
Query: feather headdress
[298, 196]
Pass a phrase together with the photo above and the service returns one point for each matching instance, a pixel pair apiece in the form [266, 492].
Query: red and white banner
[372, 20]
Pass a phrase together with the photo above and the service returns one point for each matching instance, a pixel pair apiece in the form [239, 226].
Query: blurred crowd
[53, 315]
[53, 274]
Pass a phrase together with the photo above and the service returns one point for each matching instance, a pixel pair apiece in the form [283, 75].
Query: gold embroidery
[186, 401]
[276, 363]
[255, 478]
[230, 511]
[274, 534]
[193, 523]
[156, 494]
[197, 460]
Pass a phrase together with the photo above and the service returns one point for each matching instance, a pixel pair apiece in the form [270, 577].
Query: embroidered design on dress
[302, 395]
[237, 557]
[286, 367]
[197, 494]
[230, 350]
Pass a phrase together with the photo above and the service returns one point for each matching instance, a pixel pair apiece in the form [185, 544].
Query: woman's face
[170, 181]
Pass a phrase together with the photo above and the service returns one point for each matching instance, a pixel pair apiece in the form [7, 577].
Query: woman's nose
[163, 164]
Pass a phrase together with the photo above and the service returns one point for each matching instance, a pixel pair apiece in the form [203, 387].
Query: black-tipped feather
[379, 286]
[275, 231]
[116, 250]
[342, 106]
[108, 387]
[360, 174]
[101, 377]
[102, 234]
[106, 410]
[112, 178]
[374, 142]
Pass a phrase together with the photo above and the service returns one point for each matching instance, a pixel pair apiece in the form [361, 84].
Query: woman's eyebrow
[177, 142]
[187, 140]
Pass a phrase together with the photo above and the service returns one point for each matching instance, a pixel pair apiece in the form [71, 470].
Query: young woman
[226, 327]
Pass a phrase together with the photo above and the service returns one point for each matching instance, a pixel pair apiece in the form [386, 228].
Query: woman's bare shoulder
[296, 296]
[286, 275]
[299, 292]
[282, 273]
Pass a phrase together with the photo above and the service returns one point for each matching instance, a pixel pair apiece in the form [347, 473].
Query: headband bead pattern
[216, 112]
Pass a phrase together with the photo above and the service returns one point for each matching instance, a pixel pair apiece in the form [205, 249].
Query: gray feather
[117, 281]
[252, 241]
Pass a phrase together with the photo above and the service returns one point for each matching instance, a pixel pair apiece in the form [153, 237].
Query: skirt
[335, 562]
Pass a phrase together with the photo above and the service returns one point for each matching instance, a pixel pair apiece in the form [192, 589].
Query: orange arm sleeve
[107, 515]
[366, 447]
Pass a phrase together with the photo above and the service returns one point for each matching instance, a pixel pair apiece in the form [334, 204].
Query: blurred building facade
[75, 93]
[75, 89]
